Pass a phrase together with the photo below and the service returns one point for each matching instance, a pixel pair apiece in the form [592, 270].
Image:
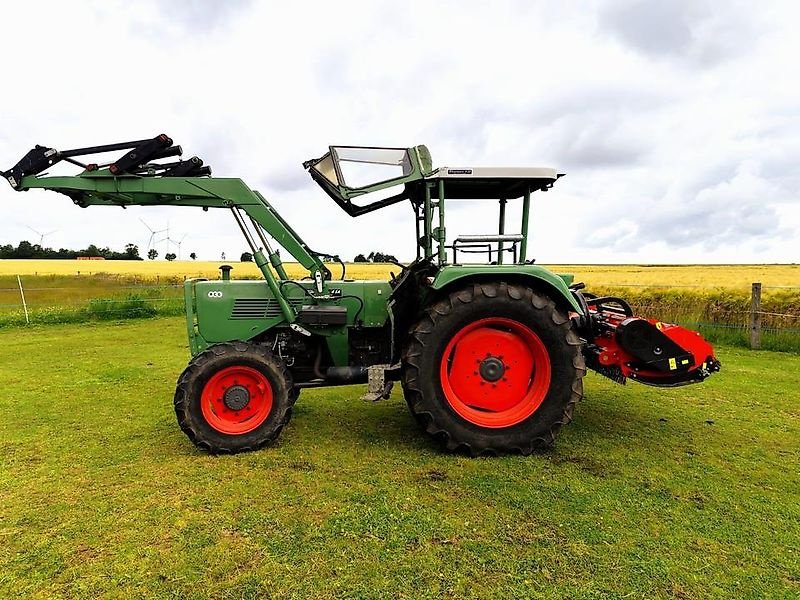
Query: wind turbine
[41, 235]
[170, 242]
[179, 242]
[166, 239]
[153, 234]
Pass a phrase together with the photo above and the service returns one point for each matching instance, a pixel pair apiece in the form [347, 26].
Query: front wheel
[234, 397]
[493, 367]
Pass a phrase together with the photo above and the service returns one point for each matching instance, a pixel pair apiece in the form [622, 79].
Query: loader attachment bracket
[34, 162]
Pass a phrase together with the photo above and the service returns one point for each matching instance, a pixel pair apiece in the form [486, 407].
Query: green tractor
[490, 355]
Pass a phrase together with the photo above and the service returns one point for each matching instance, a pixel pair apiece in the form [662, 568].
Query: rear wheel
[493, 367]
[234, 397]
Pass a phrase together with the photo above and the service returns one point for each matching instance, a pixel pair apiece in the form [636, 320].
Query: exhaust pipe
[346, 374]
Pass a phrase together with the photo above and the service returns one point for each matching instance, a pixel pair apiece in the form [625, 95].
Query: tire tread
[194, 370]
[426, 328]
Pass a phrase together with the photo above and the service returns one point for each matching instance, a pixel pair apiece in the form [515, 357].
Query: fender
[556, 285]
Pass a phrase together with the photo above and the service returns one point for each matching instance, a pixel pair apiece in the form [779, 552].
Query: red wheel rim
[495, 372]
[236, 400]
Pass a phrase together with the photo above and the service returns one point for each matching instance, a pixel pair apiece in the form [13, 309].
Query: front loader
[490, 355]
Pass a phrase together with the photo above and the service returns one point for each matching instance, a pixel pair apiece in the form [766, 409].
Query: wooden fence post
[24, 304]
[755, 317]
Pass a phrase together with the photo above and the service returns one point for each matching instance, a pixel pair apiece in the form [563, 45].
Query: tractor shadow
[604, 420]
[613, 422]
[357, 424]
[337, 419]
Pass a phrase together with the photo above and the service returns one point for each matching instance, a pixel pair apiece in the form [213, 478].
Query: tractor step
[379, 385]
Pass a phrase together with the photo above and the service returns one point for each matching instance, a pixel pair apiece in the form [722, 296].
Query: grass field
[685, 493]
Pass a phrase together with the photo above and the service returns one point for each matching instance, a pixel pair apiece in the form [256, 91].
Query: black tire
[199, 372]
[444, 319]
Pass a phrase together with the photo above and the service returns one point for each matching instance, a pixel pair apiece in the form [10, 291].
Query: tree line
[375, 257]
[26, 250]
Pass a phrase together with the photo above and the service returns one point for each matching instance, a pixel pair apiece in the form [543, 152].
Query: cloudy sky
[677, 123]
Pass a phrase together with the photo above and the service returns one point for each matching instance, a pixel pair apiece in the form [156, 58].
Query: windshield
[359, 167]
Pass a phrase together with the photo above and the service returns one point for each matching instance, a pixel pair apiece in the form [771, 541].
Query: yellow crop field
[706, 276]
[668, 276]
[151, 270]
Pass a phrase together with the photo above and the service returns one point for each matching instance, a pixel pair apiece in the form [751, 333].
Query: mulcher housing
[507, 383]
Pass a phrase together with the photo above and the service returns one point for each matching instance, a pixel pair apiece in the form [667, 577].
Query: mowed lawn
[687, 493]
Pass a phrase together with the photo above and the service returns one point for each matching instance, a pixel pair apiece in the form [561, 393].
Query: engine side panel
[243, 309]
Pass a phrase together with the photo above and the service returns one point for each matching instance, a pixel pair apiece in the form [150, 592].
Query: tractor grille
[259, 308]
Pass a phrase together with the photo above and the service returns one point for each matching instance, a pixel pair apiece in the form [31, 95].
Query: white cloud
[679, 130]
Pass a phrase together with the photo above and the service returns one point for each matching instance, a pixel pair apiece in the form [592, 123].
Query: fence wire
[50, 304]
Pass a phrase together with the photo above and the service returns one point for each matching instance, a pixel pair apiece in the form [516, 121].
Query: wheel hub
[495, 372]
[236, 397]
[492, 368]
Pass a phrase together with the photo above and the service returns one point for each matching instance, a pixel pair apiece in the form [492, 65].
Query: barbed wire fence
[728, 313]
[31, 304]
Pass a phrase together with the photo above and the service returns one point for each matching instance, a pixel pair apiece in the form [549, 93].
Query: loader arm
[206, 192]
[137, 179]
